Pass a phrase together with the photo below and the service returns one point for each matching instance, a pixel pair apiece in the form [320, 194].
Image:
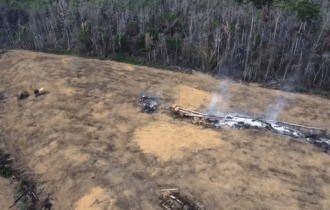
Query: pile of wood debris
[173, 201]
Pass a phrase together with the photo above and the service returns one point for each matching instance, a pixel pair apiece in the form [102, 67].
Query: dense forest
[280, 42]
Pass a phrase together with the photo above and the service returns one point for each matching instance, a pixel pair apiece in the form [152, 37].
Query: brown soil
[87, 140]
[7, 193]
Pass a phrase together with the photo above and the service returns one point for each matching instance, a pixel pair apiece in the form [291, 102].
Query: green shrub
[174, 43]
[232, 26]
[121, 57]
[83, 37]
[301, 89]
[153, 32]
[298, 35]
[121, 40]
[103, 38]
[132, 23]
[142, 50]
[315, 92]
[214, 24]
[58, 51]
[258, 15]
[307, 11]
[5, 172]
[169, 17]
[184, 29]
[24, 34]
[141, 41]
[24, 203]
[101, 58]
[258, 39]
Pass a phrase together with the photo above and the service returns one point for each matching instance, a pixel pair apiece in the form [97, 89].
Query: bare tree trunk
[277, 17]
[249, 43]
[321, 31]
[269, 63]
[286, 70]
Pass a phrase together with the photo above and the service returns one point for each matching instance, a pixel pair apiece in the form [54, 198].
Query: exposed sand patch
[7, 193]
[191, 98]
[49, 160]
[46, 150]
[326, 191]
[100, 163]
[122, 66]
[167, 140]
[75, 156]
[63, 88]
[99, 111]
[96, 199]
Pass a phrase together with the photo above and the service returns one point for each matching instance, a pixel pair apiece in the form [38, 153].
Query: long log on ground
[190, 113]
[302, 126]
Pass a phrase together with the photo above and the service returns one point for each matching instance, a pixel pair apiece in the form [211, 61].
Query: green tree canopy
[307, 11]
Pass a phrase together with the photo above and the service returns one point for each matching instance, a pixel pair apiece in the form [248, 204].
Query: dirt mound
[89, 143]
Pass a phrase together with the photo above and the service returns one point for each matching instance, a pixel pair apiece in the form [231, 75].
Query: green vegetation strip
[5, 172]
[24, 203]
[121, 57]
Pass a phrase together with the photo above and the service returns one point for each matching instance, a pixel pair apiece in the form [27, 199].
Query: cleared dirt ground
[7, 193]
[89, 143]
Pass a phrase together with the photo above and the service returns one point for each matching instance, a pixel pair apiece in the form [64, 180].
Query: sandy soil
[7, 193]
[89, 143]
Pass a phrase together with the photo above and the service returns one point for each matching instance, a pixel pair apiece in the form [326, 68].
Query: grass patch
[4, 50]
[132, 23]
[5, 172]
[174, 43]
[316, 92]
[58, 51]
[214, 24]
[301, 89]
[121, 57]
[101, 58]
[24, 204]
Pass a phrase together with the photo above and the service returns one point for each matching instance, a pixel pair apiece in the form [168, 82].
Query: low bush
[121, 57]
[174, 43]
[58, 51]
[121, 40]
[5, 172]
[301, 89]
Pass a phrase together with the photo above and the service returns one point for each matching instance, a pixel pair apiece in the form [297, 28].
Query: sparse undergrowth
[121, 57]
[5, 172]
[58, 51]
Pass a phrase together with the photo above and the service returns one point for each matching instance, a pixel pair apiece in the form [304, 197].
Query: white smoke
[220, 102]
[275, 108]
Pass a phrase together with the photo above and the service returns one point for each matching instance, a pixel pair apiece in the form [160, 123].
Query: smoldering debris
[242, 122]
[22, 95]
[320, 141]
[149, 103]
[246, 122]
[173, 201]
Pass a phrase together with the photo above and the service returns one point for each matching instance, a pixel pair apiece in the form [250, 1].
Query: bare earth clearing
[89, 143]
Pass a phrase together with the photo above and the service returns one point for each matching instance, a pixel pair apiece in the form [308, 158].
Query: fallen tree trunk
[189, 113]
